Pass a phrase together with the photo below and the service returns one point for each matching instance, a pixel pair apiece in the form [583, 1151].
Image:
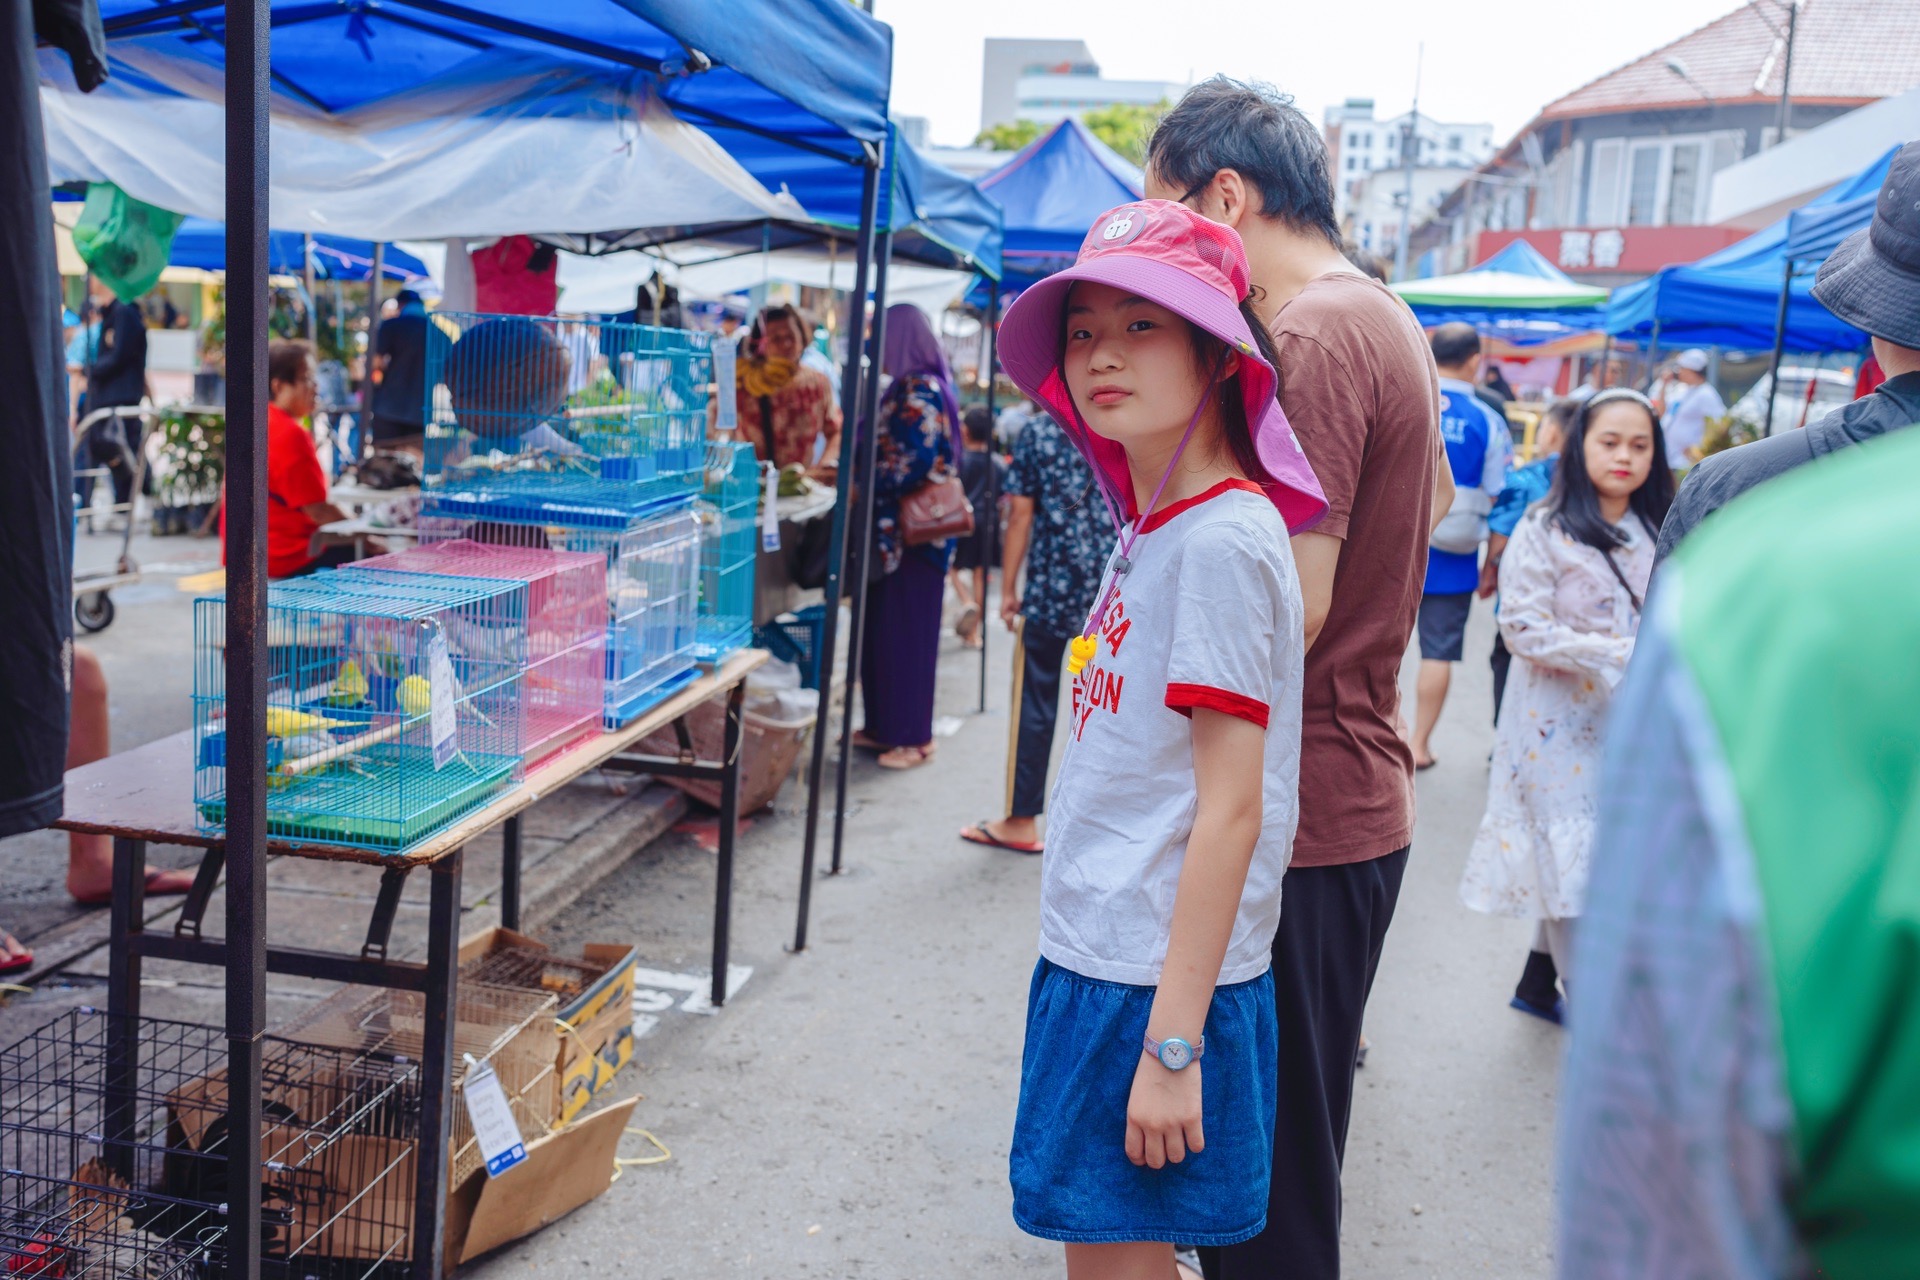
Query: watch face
[1175, 1054]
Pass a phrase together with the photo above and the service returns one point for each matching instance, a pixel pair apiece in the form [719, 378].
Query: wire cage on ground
[729, 548]
[513, 1031]
[113, 1158]
[393, 704]
[573, 421]
[653, 577]
[561, 695]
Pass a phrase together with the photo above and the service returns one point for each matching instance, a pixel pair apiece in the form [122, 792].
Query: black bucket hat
[1872, 281]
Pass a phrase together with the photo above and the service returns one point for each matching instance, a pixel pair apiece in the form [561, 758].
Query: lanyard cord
[1081, 648]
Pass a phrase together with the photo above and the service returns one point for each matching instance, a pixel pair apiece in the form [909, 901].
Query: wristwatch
[1175, 1053]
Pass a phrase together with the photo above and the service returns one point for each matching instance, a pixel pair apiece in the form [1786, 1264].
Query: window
[1353, 162]
[1603, 184]
[1683, 184]
[1643, 186]
[1453, 142]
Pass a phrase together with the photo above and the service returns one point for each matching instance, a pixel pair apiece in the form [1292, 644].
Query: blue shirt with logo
[1479, 446]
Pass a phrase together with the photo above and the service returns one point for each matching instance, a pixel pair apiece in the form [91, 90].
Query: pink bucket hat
[1197, 269]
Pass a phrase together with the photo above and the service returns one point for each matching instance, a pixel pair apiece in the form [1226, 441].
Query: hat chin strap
[1081, 648]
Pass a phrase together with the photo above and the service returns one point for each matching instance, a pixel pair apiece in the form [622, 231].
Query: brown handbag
[936, 511]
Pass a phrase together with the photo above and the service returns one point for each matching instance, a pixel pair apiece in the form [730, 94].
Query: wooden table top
[147, 793]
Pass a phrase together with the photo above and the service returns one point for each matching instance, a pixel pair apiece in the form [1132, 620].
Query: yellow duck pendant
[1080, 651]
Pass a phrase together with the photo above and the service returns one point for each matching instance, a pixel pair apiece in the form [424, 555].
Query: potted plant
[192, 465]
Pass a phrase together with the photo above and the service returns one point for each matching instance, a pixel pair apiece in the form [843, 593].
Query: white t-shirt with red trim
[1209, 616]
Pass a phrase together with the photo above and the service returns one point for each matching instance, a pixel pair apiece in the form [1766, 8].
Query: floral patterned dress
[914, 438]
[1570, 625]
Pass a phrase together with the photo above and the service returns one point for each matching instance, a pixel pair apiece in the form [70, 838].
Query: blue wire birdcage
[578, 422]
[653, 577]
[394, 705]
[729, 548]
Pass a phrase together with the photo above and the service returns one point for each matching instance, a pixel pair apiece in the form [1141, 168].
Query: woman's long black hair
[1574, 503]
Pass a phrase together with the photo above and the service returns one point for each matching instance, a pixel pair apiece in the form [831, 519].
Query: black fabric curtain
[36, 463]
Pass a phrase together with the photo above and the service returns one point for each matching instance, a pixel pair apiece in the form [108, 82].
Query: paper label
[770, 513]
[440, 691]
[494, 1127]
[724, 355]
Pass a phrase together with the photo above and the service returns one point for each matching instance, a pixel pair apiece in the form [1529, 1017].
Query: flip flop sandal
[978, 833]
[862, 742]
[1422, 768]
[905, 758]
[15, 963]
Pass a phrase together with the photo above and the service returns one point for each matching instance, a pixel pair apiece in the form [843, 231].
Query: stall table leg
[436, 1068]
[126, 918]
[729, 830]
[510, 873]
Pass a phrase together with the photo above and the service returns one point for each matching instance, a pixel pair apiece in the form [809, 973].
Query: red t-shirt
[295, 480]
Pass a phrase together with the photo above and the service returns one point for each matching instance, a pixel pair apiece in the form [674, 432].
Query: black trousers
[1333, 921]
[1039, 708]
[1501, 661]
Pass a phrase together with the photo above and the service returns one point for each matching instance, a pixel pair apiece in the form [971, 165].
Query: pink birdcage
[566, 627]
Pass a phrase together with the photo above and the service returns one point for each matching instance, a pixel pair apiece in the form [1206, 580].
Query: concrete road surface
[847, 1114]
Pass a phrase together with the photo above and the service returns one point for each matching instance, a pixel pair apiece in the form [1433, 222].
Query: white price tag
[494, 1127]
[770, 514]
[724, 355]
[440, 684]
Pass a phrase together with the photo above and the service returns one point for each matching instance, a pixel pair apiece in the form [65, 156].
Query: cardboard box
[562, 1171]
[594, 1021]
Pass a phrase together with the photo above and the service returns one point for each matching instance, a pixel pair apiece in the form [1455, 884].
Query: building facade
[1358, 145]
[1048, 81]
[1616, 179]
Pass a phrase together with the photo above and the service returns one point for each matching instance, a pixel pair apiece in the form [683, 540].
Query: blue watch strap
[1159, 1050]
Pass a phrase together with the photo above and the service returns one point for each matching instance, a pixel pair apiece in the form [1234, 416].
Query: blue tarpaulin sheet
[1051, 192]
[938, 217]
[203, 243]
[1732, 298]
[812, 72]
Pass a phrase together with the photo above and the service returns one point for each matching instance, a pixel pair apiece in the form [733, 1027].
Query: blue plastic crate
[796, 638]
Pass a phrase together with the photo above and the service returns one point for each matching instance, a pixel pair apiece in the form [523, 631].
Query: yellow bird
[287, 722]
[351, 684]
[415, 695]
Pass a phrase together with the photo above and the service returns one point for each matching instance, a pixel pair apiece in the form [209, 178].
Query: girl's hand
[1163, 1114]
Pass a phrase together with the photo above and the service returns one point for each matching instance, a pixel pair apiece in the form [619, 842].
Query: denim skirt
[1072, 1180]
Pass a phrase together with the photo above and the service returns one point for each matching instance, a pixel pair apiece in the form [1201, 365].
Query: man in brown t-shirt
[1358, 384]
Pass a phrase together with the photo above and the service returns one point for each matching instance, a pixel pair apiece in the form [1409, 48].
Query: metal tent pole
[373, 343]
[1779, 344]
[861, 530]
[992, 513]
[1653, 354]
[837, 544]
[313, 300]
[248, 38]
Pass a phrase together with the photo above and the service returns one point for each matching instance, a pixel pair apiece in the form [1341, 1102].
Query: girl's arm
[1529, 576]
[1163, 1113]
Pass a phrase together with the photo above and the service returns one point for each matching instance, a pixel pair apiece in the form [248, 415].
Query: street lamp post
[1786, 74]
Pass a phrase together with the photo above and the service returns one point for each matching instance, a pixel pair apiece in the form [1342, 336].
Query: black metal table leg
[510, 872]
[729, 828]
[126, 917]
[436, 1069]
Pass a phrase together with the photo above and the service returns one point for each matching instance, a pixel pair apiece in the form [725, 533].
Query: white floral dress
[1570, 626]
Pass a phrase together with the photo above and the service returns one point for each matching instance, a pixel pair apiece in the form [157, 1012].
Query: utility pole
[1786, 75]
[1409, 157]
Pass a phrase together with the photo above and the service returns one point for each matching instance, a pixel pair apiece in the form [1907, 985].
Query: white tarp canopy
[512, 144]
[607, 283]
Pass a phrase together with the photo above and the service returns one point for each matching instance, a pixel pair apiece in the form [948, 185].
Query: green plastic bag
[124, 241]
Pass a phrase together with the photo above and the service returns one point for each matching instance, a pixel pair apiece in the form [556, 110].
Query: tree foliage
[1009, 136]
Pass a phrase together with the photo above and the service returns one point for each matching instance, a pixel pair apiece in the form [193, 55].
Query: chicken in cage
[566, 632]
[570, 420]
[394, 704]
[729, 550]
[653, 579]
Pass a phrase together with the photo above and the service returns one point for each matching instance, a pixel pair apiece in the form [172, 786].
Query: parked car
[1832, 388]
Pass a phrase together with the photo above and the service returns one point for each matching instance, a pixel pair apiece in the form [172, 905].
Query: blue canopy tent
[937, 218]
[1516, 295]
[1816, 230]
[203, 243]
[1754, 293]
[1052, 190]
[812, 74]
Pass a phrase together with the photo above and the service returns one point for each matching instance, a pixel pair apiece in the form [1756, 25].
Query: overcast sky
[1486, 60]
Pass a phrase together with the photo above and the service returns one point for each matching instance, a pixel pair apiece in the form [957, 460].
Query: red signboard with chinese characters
[1614, 250]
